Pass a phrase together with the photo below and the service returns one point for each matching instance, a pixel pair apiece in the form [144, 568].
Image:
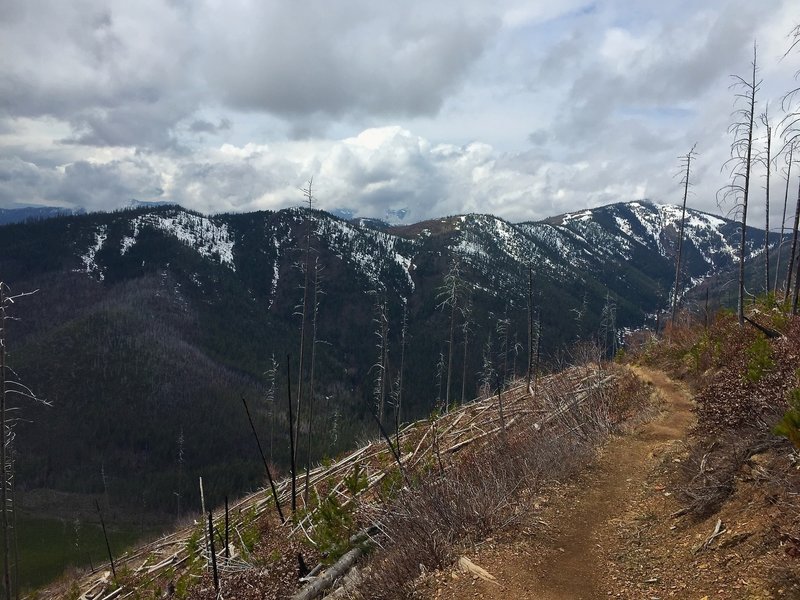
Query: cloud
[524, 108]
[203, 126]
[96, 187]
[295, 59]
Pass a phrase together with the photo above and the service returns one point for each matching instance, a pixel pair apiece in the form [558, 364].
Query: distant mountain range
[151, 323]
[29, 213]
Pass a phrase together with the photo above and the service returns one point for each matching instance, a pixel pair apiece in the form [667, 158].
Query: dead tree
[397, 393]
[686, 164]
[314, 341]
[740, 163]
[10, 387]
[530, 328]
[789, 160]
[308, 192]
[449, 296]
[503, 333]
[791, 136]
[793, 252]
[608, 326]
[272, 410]
[381, 366]
[180, 468]
[466, 329]
[487, 374]
[766, 161]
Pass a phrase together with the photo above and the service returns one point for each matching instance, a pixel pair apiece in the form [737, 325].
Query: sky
[523, 109]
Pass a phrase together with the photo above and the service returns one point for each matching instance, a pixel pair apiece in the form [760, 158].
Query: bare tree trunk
[384, 358]
[742, 247]
[292, 461]
[263, 459]
[308, 193]
[688, 159]
[538, 352]
[793, 253]
[3, 442]
[465, 330]
[399, 403]
[315, 314]
[768, 164]
[796, 289]
[783, 218]
[530, 326]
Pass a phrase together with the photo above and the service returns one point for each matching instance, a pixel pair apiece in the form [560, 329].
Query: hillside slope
[152, 322]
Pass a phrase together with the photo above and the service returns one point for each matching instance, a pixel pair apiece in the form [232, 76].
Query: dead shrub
[709, 473]
[480, 493]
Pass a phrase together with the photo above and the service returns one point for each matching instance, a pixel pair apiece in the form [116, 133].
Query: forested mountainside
[150, 325]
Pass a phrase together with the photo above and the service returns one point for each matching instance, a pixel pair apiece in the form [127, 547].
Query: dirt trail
[566, 557]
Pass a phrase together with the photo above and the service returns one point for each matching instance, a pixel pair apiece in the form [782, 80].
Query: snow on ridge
[208, 238]
[357, 246]
[89, 265]
[583, 215]
[276, 273]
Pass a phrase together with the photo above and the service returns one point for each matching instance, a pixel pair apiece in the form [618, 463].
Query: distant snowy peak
[643, 224]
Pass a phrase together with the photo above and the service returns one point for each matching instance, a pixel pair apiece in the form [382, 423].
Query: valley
[150, 324]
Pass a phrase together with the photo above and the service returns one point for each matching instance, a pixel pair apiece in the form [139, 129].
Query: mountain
[27, 213]
[151, 323]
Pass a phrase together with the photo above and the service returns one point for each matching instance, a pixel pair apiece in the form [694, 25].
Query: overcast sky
[524, 109]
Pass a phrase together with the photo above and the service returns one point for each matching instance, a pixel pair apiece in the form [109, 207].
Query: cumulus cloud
[521, 108]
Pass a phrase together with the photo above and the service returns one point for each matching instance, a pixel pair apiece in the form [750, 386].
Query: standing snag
[308, 192]
[766, 160]
[686, 164]
[10, 386]
[789, 160]
[740, 163]
[450, 296]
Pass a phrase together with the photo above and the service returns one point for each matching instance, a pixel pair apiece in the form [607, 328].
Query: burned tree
[531, 351]
[381, 366]
[793, 251]
[314, 341]
[397, 392]
[791, 136]
[686, 170]
[10, 387]
[466, 329]
[450, 296]
[765, 158]
[789, 160]
[740, 163]
[308, 192]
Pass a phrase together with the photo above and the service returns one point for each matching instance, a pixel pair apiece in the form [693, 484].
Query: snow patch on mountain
[211, 240]
[88, 258]
[371, 252]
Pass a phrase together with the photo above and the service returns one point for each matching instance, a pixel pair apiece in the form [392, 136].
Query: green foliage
[193, 543]
[391, 484]
[332, 527]
[789, 425]
[249, 531]
[704, 353]
[356, 482]
[759, 359]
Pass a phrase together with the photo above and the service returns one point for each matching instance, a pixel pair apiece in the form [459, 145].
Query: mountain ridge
[193, 307]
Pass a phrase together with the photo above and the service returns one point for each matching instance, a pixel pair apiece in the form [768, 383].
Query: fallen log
[325, 581]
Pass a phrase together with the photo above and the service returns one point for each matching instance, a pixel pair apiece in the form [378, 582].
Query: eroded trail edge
[571, 540]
